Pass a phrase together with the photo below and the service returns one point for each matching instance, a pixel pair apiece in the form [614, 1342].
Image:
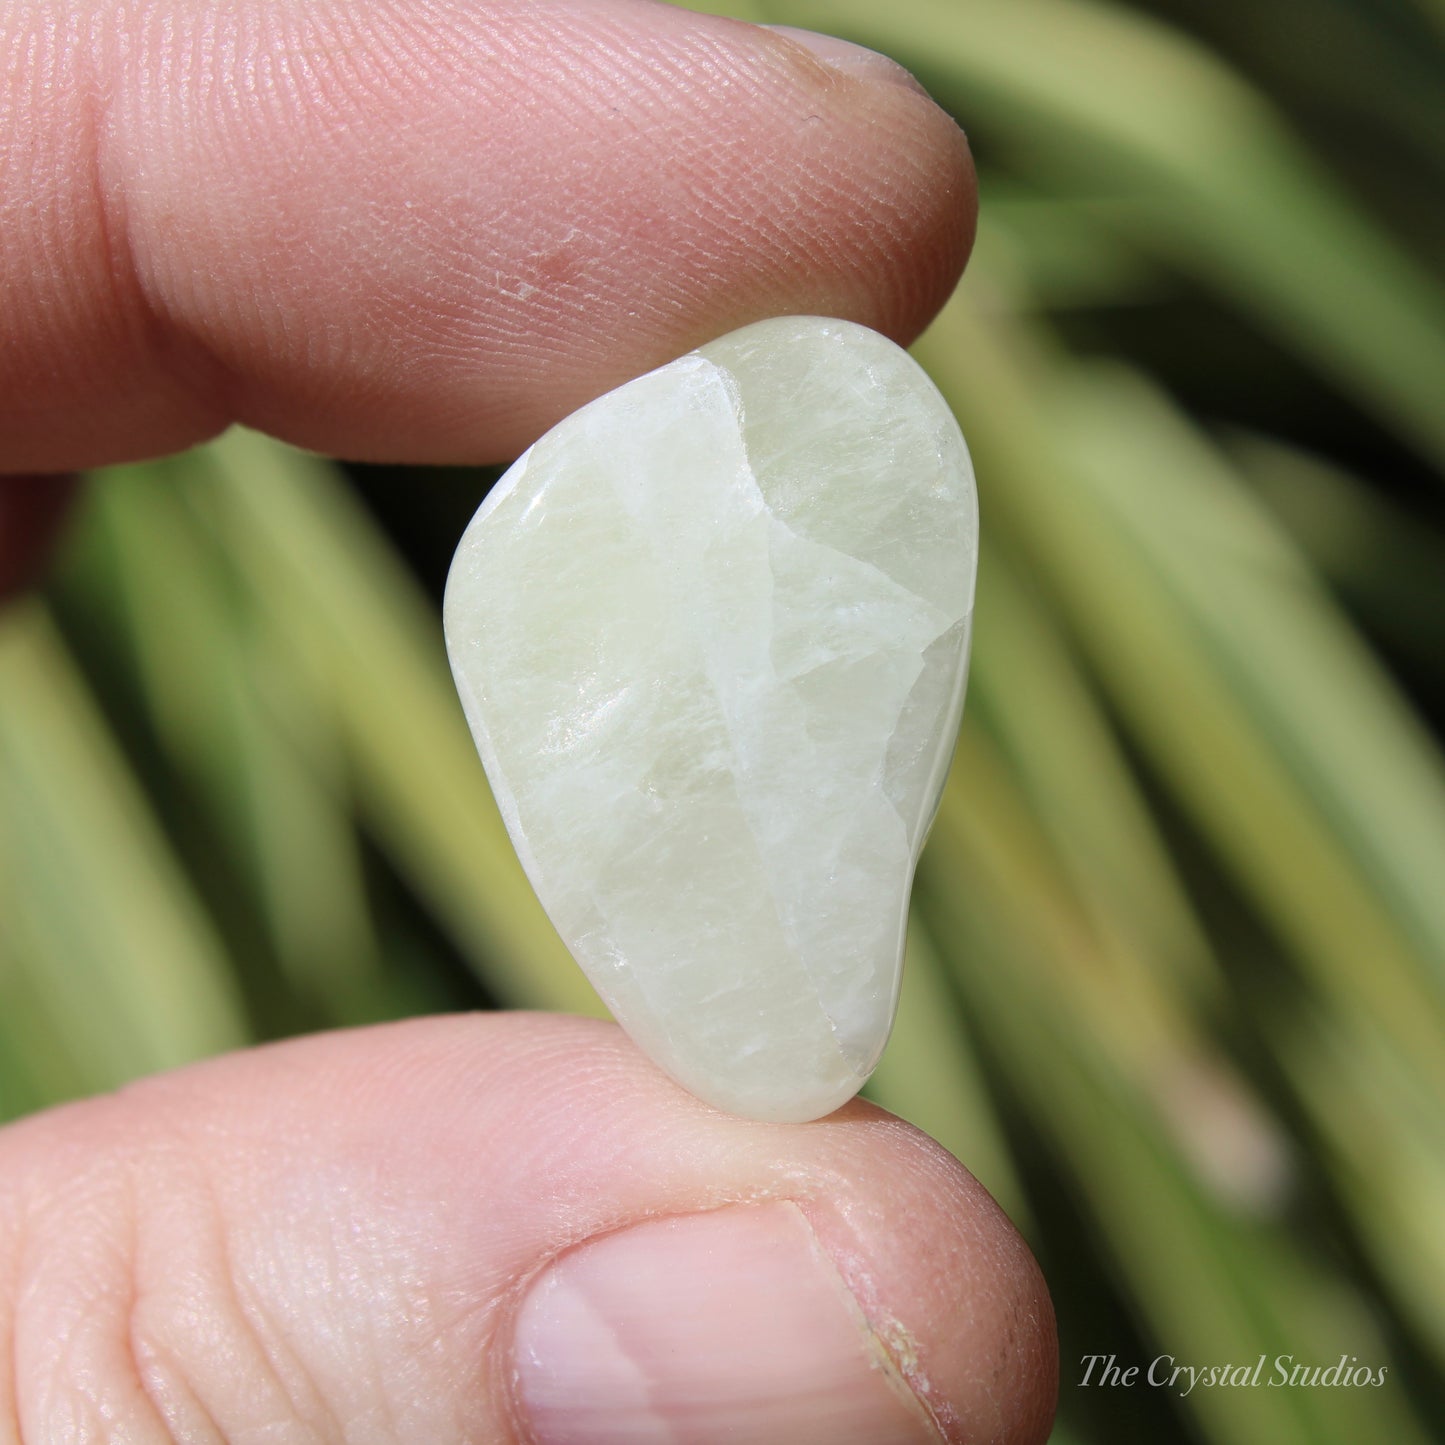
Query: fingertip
[948, 1284]
[911, 188]
[941, 223]
[850, 59]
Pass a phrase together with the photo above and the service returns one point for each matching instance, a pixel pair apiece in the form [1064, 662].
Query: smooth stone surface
[711, 634]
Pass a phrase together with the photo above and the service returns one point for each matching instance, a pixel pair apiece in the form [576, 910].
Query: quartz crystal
[711, 633]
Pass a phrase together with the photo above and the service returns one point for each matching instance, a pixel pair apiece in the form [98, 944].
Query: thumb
[499, 1229]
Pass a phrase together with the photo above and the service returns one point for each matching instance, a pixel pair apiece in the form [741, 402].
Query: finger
[426, 229]
[503, 1229]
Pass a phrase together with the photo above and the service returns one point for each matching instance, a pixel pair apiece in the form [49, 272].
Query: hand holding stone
[427, 230]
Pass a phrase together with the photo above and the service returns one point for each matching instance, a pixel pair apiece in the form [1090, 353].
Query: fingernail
[726, 1326]
[852, 59]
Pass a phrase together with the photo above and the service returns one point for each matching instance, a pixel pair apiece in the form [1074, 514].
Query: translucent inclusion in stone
[711, 635]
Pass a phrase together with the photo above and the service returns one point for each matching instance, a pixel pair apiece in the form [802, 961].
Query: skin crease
[425, 231]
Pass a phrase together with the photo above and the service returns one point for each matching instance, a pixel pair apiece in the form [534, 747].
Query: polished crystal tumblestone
[711, 634]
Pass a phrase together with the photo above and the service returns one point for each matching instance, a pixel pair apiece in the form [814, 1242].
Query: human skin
[424, 230]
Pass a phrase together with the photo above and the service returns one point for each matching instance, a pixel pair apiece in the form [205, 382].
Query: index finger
[426, 229]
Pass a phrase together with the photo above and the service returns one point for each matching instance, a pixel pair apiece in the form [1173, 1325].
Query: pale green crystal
[711, 634]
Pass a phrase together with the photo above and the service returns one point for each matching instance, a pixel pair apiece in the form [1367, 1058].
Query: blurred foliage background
[1176, 987]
